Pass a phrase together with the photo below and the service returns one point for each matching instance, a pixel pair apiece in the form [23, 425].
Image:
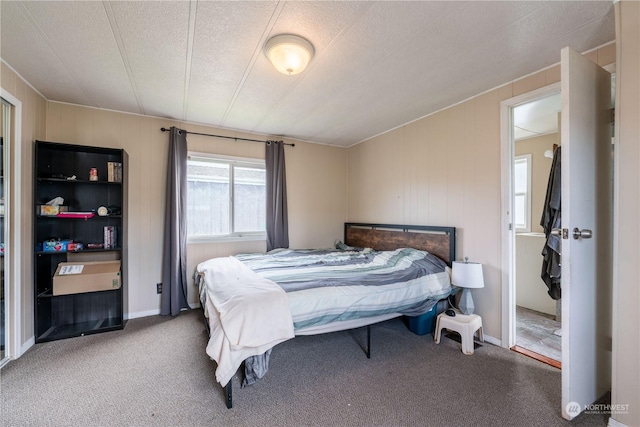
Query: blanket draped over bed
[252, 315]
[248, 308]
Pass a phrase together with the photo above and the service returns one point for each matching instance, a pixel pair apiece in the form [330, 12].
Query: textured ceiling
[378, 64]
[536, 118]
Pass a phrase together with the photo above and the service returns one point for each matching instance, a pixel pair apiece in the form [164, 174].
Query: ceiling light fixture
[289, 54]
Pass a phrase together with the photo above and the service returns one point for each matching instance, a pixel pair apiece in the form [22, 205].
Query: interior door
[586, 207]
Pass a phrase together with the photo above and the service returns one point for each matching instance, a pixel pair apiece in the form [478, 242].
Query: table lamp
[467, 275]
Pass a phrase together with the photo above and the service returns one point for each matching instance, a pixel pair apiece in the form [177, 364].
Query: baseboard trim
[26, 346]
[492, 340]
[155, 312]
[138, 314]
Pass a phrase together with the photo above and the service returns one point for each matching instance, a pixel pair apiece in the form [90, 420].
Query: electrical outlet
[159, 288]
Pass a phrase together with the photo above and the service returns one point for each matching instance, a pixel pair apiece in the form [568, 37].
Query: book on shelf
[110, 238]
[114, 171]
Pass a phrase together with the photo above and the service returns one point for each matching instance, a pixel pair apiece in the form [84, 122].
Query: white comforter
[248, 314]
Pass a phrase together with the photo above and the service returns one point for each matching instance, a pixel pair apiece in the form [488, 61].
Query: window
[522, 193]
[226, 197]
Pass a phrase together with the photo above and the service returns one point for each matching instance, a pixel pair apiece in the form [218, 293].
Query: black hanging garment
[551, 218]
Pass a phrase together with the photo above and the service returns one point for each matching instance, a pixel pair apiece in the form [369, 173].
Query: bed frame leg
[368, 341]
[228, 395]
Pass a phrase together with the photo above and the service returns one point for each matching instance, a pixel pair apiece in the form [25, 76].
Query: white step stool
[465, 325]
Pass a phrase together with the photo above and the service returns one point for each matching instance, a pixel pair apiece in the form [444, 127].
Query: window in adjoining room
[226, 197]
[522, 193]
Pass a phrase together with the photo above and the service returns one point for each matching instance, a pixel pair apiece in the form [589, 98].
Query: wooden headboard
[440, 241]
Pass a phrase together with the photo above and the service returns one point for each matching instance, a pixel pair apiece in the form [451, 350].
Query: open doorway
[536, 136]
[530, 131]
[519, 244]
[584, 232]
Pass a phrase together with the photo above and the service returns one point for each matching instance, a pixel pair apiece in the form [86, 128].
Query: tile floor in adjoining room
[538, 332]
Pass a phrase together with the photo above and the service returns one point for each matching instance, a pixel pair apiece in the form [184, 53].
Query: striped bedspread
[325, 286]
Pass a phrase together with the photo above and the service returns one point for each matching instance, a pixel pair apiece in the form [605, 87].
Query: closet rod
[229, 137]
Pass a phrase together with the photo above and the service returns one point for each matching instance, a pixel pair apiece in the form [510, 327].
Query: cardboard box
[91, 276]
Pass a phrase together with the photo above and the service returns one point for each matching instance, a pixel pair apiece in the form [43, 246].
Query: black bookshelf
[65, 170]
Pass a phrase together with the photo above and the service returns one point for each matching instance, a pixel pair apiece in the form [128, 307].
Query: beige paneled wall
[441, 170]
[540, 169]
[626, 296]
[445, 170]
[375, 178]
[315, 175]
[33, 120]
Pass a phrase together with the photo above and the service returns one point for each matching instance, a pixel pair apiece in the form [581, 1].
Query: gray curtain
[277, 220]
[174, 260]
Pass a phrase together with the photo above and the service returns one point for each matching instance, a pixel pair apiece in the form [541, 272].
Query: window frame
[526, 158]
[233, 162]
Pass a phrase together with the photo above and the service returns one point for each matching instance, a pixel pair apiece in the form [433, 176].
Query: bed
[252, 302]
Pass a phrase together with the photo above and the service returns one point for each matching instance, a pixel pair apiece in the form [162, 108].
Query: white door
[586, 261]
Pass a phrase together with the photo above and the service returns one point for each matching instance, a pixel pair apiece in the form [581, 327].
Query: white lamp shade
[289, 54]
[467, 274]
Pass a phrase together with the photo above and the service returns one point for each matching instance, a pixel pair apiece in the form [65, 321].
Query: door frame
[508, 333]
[508, 233]
[13, 267]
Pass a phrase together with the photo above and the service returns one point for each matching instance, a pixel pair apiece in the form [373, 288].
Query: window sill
[529, 234]
[225, 239]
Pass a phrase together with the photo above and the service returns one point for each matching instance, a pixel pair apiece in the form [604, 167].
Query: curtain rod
[229, 137]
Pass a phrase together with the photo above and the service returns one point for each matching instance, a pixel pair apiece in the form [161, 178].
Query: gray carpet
[155, 373]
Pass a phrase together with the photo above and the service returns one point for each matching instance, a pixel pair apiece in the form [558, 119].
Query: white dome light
[289, 54]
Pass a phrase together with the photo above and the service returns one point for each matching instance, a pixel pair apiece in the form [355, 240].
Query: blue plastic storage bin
[426, 323]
